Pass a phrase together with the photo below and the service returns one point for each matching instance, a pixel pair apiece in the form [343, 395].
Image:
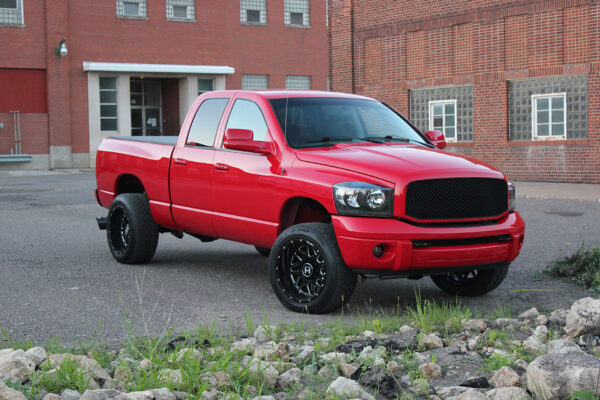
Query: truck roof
[281, 93]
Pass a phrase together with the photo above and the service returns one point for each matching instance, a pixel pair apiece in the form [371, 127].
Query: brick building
[515, 83]
[133, 67]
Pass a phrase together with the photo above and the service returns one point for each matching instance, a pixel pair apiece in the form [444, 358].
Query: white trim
[449, 101]
[156, 68]
[534, 123]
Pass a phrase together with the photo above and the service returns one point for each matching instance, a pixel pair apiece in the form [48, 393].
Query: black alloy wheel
[307, 270]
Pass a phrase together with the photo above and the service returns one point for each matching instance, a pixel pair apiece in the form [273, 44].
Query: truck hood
[398, 163]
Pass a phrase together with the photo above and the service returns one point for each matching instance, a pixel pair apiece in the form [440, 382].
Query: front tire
[472, 283]
[307, 270]
[131, 231]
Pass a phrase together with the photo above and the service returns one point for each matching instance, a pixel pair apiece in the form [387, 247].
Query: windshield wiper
[389, 138]
[331, 139]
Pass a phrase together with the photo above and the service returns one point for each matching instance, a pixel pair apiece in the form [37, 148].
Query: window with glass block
[253, 11]
[132, 8]
[181, 9]
[108, 103]
[298, 82]
[296, 12]
[11, 12]
[255, 82]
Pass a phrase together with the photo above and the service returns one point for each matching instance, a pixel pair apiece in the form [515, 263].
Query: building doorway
[146, 107]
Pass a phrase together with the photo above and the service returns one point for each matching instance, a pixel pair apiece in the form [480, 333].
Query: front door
[146, 107]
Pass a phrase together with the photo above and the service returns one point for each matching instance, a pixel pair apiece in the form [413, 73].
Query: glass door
[146, 107]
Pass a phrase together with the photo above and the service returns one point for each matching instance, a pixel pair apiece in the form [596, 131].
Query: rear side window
[206, 122]
[246, 114]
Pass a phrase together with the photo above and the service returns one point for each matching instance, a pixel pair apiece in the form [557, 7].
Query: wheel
[307, 270]
[472, 283]
[131, 231]
[265, 252]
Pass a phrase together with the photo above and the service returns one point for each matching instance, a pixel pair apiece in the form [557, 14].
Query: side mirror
[243, 140]
[437, 138]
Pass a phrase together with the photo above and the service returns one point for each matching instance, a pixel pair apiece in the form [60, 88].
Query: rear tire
[131, 231]
[263, 251]
[307, 270]
[472, 283]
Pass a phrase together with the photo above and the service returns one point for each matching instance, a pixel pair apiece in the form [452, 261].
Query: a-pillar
[58, 82]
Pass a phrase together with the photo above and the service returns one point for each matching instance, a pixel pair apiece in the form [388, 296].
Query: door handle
[221, 167]
[179, 161]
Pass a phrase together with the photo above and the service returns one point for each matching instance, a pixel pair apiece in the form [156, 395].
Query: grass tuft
[583, 267]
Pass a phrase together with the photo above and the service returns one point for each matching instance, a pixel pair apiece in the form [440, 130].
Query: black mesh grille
[456, 198]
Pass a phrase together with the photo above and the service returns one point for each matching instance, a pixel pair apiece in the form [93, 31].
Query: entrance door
[146, 107]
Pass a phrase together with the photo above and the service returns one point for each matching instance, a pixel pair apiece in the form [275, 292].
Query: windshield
[324, 121]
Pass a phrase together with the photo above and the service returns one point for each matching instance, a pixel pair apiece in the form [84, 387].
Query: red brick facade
[94, 33]
[386, 48]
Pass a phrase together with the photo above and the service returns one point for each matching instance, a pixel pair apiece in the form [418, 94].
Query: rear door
[192, 169]
[244, 183]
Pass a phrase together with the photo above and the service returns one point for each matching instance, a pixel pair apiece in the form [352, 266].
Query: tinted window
[205, 124]
[247, 115]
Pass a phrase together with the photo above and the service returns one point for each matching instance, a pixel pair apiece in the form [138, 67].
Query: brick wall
[385, 48]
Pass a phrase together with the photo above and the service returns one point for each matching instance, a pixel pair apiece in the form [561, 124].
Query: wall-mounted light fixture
[61, 49]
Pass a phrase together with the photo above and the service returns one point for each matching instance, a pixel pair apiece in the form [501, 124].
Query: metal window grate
[11, 12]
[253, 11]
[296, 12]
[125, 8]
[255, 82]
[299, 82]
[181, 9]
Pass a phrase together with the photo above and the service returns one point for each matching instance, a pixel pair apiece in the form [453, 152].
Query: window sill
[9, 25]
[551, 142]
[131, 17]
[253, 23]
[181, 20]
[297, 26]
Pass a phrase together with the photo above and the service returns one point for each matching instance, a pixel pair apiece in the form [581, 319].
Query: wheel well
[129, 184]
[300, 210]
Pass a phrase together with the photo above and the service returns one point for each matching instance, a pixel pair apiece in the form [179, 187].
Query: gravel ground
[57, 278]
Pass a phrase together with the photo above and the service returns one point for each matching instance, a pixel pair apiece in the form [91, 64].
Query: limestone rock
[430, 371]
[145, 395]
[344, 388]
[507, 393]
[210, 394]
[37, 355]
[289, 378]
[559, 317]
[347, 370]
[99, 394]
[583, 317]
[472, 394]
[563, 346]
[558, 375]
[533, 345]
[163, 394]
[83, 362]
[431, 341]
[281, 352]
[146, 364]
[69, 394]
[170, 376]
[532, 313]
[478, 325]
[217, 379]
[505, 377]
[186, 354]
[328, 372]
[7, 393]
[264, 332]
[263, 371]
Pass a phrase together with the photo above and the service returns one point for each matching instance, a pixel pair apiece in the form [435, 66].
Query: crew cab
[330, 186]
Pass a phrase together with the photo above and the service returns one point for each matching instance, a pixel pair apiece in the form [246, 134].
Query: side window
[206, 122]
[246, 114]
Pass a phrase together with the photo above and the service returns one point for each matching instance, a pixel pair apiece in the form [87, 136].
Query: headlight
[365, 199]
[512, 197]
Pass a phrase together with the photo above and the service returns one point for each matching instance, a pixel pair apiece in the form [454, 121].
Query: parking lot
[58, 279]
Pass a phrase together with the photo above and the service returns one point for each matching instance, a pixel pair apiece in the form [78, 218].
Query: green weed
[583, 267]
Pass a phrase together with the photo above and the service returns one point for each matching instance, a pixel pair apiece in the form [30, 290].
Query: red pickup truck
[328, 185]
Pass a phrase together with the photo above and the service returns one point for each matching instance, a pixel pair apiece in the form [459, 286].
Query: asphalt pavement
[58, 279]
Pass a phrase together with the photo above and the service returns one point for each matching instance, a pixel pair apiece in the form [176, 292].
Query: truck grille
[456, 198]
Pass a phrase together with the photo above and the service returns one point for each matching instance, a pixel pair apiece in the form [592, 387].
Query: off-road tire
[484, 282]
[131, 231]
[263, 251]
[326, 261]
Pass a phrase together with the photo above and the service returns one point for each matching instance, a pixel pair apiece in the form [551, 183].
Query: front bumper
[409, 248]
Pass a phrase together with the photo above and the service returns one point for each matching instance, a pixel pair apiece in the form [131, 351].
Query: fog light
[378, 250]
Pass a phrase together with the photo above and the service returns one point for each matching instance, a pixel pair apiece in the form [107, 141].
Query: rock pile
[502, 359]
